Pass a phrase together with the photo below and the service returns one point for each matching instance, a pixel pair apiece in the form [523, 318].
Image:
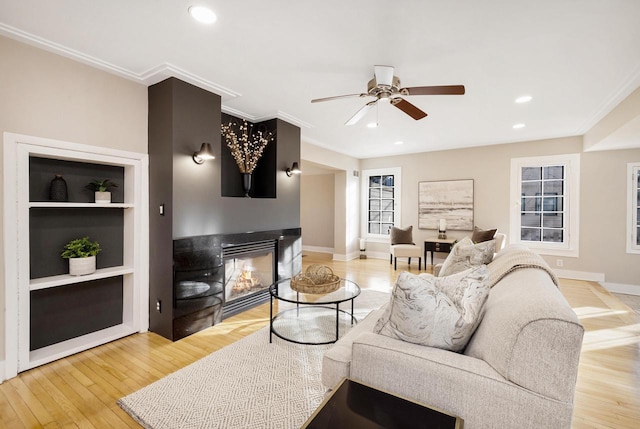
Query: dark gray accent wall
[181, 118]
[263, 214]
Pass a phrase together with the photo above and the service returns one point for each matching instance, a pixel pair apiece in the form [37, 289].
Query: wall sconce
[203, 154]
[293, 170]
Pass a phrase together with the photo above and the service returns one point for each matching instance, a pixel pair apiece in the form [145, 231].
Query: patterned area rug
[248, 384]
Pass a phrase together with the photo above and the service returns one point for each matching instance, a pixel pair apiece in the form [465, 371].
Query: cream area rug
[249, 384]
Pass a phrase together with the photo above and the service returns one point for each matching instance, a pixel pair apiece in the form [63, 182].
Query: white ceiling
[577, 58]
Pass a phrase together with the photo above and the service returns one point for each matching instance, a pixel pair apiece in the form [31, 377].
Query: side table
[435, 244]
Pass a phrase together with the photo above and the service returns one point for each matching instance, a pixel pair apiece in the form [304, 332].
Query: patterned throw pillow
[441, 312]
[465, 254]
[402, 235]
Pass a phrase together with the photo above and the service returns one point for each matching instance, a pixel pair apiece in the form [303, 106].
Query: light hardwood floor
[81, 391]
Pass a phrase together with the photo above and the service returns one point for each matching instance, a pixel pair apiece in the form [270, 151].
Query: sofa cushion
[440, 312]
[401, 235]
[465, 254]
[479, 235]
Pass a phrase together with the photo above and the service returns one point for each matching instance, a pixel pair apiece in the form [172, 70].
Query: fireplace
[216, 276]
[249, 270]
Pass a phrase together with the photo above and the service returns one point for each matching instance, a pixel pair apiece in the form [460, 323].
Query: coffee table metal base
[298, 319]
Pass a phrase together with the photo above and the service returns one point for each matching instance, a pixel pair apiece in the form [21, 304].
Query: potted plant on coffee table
[81, 253]
[101, 188]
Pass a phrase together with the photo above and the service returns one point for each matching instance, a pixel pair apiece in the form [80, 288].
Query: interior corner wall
[317, 210]
[603, 197]
[47, 95]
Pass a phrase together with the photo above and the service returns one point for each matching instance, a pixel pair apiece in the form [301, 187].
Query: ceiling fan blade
[360, 113]
[408, 108]
[337, 97]
[433, 90]
[384, 75]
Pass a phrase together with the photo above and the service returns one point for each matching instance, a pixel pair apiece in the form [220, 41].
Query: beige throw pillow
[465, 254]
[441, 312]
[402, 235]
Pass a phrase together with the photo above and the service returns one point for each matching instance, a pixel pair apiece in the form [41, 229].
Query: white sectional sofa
[518, 370]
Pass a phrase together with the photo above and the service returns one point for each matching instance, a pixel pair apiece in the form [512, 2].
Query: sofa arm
[436, 270]
[456, 383]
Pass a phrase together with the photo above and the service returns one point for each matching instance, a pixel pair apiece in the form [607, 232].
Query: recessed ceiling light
[372, 125]
[524, 99]
[399, 142]
[518, 126]
[202, 14]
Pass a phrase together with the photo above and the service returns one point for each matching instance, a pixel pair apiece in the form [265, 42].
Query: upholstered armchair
[402, 246]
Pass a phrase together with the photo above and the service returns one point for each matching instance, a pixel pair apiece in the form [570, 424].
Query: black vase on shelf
[58, 189]
[246, 183]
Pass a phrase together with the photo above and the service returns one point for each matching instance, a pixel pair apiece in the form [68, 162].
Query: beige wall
[46, 95]
[603, 202]
[317, 209]
[347, 197]
[618, 129]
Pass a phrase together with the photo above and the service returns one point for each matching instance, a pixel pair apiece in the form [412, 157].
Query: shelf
[66, 279]
[78, 344]
[49, 204]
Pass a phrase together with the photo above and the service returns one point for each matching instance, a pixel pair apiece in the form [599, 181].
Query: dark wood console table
[435, 244]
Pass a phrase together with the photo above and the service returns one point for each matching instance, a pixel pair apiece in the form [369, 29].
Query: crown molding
[148, 77]
[625, 89]
[279, 114]
[166, 70]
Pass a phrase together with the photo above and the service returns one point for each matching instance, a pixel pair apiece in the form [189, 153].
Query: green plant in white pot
[101, 188]
[81, 253]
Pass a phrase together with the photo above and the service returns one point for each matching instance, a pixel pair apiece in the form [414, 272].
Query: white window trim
[570, 247]
[364, 186]
[633, 169]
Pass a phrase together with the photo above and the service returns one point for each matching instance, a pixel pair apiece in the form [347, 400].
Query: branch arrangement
[248, 146]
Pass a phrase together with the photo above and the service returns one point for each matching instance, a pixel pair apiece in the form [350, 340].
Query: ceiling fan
[386, 86]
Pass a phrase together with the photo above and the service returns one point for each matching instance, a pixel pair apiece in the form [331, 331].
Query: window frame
[571, 163]
[633, 170]
[396, 172]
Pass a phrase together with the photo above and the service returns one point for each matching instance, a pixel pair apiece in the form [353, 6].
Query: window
[381, 201]
[633, 202]
[545, 215]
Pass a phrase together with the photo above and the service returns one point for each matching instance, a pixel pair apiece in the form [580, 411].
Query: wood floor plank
[81, 391]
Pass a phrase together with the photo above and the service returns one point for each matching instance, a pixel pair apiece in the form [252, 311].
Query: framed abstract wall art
[451, 200]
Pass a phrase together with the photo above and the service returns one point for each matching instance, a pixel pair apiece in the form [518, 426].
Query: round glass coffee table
[313, 319]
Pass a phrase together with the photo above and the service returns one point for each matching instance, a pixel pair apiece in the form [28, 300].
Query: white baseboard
[377, 255]
[621, 288]
[580, 275]
[344, 258]
[317, 249]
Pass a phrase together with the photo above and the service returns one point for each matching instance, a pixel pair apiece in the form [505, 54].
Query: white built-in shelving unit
[17, 151]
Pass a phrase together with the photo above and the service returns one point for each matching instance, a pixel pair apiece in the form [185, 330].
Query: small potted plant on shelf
[81, 253]
[101, 188]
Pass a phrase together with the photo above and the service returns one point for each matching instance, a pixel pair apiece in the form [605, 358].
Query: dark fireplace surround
[217, 276]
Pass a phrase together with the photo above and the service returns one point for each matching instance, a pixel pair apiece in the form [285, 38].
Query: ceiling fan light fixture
[524, 99]
[518, 126]
[202, 14]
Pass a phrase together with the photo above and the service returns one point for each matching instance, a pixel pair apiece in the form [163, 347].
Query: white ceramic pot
[103, 197]
[82, 266]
